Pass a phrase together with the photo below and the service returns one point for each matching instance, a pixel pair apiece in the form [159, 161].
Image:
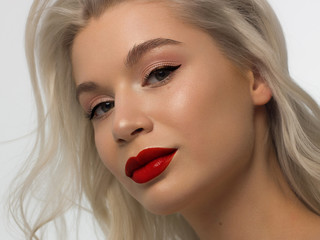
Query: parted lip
[144, 157]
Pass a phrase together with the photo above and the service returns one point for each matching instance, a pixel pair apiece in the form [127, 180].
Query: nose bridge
[130, 118]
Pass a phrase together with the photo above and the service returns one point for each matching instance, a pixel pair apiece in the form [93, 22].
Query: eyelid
[96, 101]
[156, 65]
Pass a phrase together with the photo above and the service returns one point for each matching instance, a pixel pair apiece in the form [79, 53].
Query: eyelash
[169, 68]
[91, 114]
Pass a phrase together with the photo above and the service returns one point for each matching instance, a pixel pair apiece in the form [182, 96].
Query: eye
[159, 75]
[100, 109]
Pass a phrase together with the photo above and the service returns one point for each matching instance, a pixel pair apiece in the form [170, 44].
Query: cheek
[206, 106]
[215, 129]
[213, 117]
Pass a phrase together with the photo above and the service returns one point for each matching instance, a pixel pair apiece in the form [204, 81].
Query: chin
[161, 198]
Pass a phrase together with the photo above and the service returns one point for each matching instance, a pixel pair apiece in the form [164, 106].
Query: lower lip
[152, 169]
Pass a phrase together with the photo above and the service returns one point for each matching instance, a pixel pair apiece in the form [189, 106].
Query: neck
[259, 204]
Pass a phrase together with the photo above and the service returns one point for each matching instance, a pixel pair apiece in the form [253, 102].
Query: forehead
[131, 19]
[124, 25]
[107, 40]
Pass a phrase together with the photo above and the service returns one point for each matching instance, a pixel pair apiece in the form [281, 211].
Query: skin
[224, 178]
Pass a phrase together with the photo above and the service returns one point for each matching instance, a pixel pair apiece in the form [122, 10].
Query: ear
[260, 91]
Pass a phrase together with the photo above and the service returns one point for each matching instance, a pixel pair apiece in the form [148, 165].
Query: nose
[130, 119]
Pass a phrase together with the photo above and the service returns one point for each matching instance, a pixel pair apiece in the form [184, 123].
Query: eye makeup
[155, 69]
[156, 76]
[99, 107]
[159, 74]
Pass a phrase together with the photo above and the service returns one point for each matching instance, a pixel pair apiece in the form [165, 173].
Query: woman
[194, 128]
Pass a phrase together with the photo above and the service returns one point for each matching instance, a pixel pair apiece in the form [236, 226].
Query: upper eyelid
[96, 101]
[92, 111]
[157, 65]
[165, 80]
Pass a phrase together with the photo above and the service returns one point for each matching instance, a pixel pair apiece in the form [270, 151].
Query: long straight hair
[64, 168]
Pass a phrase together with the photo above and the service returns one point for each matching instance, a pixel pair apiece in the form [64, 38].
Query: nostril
[136, 131]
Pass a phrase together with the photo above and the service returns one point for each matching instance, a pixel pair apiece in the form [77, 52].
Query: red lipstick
[149, 163]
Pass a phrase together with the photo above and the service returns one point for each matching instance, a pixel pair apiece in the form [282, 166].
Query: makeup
[149, 164]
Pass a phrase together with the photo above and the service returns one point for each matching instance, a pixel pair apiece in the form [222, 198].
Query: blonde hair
[64, 167]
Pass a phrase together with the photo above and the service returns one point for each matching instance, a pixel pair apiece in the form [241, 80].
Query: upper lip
[145, 156]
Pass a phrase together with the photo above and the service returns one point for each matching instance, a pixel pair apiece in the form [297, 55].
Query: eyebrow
[137, 52]
[133, 56]
[85, 87]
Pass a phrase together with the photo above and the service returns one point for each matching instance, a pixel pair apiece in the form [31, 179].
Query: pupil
[162, 74]
[106, 107]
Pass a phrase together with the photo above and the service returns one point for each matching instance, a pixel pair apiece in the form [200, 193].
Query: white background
[300, 20]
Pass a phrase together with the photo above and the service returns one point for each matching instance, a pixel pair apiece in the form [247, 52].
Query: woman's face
[148, 80]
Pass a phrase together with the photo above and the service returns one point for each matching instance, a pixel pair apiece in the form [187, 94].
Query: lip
[149, 164]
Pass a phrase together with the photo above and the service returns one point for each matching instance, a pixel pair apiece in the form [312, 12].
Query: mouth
[149, 164]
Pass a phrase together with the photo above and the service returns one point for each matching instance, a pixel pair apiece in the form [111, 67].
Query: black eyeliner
[165, 67]
[92, 111]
